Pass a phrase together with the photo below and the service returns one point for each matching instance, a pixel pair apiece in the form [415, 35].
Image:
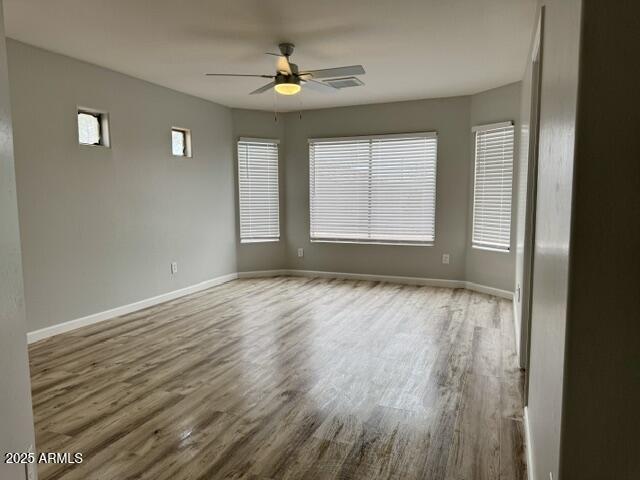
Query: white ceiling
[410, 48]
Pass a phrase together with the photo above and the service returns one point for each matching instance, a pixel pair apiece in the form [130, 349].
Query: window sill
[99, 145]
[491, 249]
[364, 242]
[260, 240]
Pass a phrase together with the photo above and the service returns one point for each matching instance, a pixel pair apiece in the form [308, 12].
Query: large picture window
[258, 190]
[374, 189]
[492, 188]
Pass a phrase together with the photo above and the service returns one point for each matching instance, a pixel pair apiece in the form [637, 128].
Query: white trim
[496, 292]
[46, 332]
[535, 50]
[479, 246]
[258, 140]
[528, 446]
[125, 309]
[372, 242]
[516, 327]
[259, 240]
[431, 282]
[262, 273]
[374, 137]
[492, 126]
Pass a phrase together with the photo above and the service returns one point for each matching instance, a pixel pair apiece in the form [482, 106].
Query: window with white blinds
[375, 189]
[492, 189]
[258, 190]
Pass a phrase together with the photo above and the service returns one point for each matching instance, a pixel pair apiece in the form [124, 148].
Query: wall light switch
[301, 252]
[445, 258]
[174, 267]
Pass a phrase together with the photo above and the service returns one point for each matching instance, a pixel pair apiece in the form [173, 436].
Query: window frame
[103, 121]
[475, 130]
[276, 142]
[408, 135]
[186, 132]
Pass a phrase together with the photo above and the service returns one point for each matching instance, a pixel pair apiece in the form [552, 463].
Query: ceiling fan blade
[282, 65]
[263, 88]
[319, 86]
[236, 75]
[336, 72]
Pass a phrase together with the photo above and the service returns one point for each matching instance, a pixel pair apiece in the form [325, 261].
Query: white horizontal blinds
[373, 189]
[258, 190]
[339, 189]
[493, 180]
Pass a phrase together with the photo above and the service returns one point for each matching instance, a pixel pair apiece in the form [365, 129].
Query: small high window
[181, 142]
[93, 127]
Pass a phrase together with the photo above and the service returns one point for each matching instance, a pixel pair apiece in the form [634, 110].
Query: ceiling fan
[288, 80]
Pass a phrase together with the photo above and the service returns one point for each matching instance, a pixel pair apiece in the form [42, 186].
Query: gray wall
[602, 385]
[585, 336]
[263, 255]
[450, 118]
[16, 420]
[559, 86]
[483, 266]
[100, 226]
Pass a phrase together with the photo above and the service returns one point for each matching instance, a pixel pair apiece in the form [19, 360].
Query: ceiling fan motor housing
[280, 78]
[286, 49]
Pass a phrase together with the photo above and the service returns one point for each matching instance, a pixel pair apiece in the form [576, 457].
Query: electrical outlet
[174, 268]
[301, 252]
[445, 258]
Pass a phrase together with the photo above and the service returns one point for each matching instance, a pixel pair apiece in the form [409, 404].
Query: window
[374, 189]
[258, 190]
[493, 176]
[181, 142]
[93, 127]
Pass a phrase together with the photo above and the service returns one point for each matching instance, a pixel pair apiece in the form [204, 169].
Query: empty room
[364, 239]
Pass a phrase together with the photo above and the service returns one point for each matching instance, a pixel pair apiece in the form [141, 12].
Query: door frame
[531, 202]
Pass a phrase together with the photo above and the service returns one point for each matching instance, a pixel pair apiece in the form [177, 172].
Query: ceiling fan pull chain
[275, 110]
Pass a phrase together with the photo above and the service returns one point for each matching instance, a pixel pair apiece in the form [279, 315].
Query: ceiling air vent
[345, 82]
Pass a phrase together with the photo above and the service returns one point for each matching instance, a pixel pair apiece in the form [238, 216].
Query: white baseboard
[125, 309]
[262, 273]
[430, 282]
[496, 292]
[516, 329]
[528, 446]
[46, 332]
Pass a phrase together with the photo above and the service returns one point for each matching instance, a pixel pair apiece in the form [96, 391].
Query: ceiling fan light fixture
[287, 84]
[287, 88]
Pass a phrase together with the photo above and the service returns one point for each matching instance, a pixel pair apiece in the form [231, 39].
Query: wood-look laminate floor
[287, 378]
